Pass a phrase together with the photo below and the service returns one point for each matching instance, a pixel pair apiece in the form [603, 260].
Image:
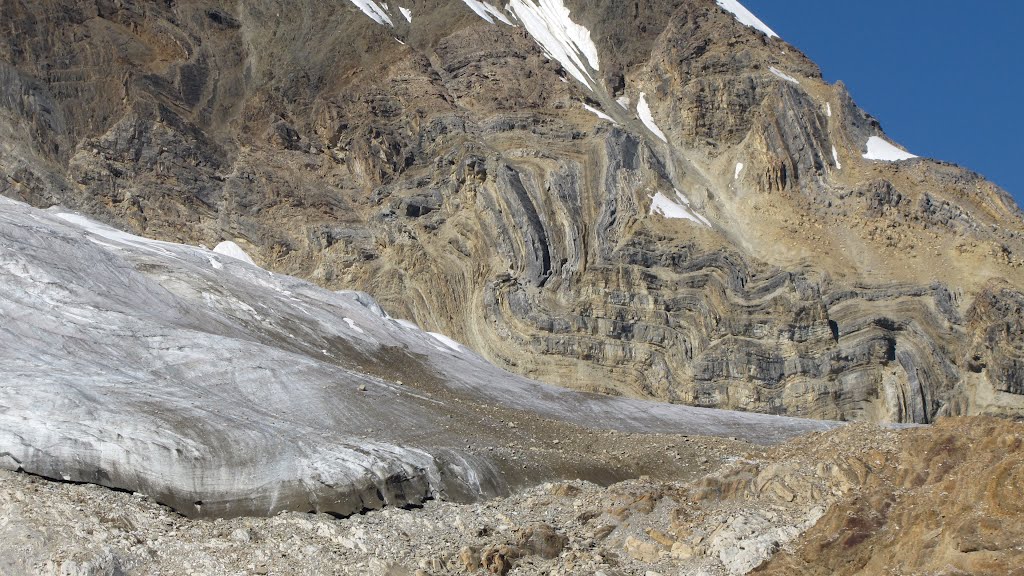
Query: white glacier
[446, 341]
[352, 324]
[94, 228]
[407, 324]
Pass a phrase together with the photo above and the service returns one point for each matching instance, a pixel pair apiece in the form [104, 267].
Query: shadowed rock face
[222, 389]
[456, 175]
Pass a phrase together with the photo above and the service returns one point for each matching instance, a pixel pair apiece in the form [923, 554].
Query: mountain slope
[222, 389]
[726, 239]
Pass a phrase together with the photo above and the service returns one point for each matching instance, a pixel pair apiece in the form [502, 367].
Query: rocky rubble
[857, 500]
[946, 501]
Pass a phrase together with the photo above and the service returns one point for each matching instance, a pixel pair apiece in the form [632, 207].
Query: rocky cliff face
[652, 200]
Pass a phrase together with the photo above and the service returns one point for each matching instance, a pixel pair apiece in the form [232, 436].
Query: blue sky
[944, 77]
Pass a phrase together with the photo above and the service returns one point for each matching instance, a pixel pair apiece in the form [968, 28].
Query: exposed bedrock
[448, 166]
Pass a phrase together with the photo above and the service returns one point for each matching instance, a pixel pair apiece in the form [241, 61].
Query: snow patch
[215, 263]
[560, 38]
[746, 17]
[446, 341]
[828, 109]
[230, 249]
[96, 229]
[408, 324]
[644, 111]
[487, 12]
[783, 75]
[352, 324]
[835, 156]
[662, 205]
[739, 168]
[407, 13]
[374, 11]
[436, 335]
[882, 149]
[623, 101]
[599, 114]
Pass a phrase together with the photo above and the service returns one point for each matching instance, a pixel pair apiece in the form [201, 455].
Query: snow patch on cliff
[644, 111]
[599, 114]
[664, 206]
[783, 75]
[487, 12]
[746, 17]
[561, 39]
[374, 11]
[882, 149]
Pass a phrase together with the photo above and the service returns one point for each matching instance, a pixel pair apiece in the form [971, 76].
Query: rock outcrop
[948, 503]
[714, 236]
